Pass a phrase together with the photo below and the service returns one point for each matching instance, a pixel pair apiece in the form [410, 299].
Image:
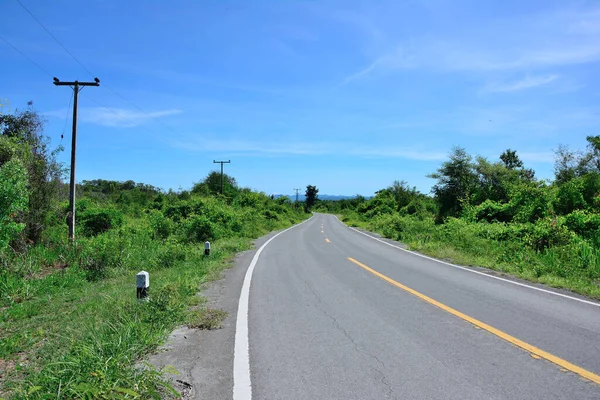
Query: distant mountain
[301, 197]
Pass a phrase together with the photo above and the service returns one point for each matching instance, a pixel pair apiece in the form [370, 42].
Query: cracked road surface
[322, 327]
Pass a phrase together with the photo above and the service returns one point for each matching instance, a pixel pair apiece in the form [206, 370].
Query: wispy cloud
[365, 71]
[242, 147]
[118, 117]
[115, 117]
[528, 82]
[550, 39]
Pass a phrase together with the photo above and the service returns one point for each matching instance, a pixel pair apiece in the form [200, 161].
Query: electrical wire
[54, 37]
[27, 57]
[89, 72]
[62, 134]
[71, 98]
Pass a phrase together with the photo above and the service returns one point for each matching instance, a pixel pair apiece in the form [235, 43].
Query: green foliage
[569, 197]
[492, 211]
[547, 233]
[529, 202]
[94, 220]
[511, 160]
[14, 196]
[22, 137]
[311, 196]
[98, 333]
[161, 226]
[456, 183]
[198, 228]
[497, 215]
[585, 224]
[212, 185]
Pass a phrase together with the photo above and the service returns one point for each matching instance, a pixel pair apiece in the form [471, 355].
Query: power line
[26, 56]
[83, 94]
[90, 72]
[67, 116]
[54, 37]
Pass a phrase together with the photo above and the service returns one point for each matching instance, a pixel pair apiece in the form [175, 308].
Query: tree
[212, 184]
[494, 179]
[565, 164]
[402, 193]
[456, 183]
[511, 159]
[23, 136]
[311, 196]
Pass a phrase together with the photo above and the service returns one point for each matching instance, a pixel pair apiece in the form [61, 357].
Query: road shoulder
[204, 358]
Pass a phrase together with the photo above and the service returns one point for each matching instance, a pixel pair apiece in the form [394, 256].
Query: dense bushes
[496, 214]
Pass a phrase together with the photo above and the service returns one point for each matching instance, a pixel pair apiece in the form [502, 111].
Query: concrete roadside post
[207, 248]
[142, 280]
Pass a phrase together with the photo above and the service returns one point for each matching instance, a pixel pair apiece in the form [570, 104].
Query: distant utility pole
[221, 162]
[77, 86]
[297, 190]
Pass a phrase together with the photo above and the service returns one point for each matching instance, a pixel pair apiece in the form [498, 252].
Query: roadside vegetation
[70, 326]
[496, 214]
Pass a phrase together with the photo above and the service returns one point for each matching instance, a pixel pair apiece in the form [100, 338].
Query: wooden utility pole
[221, 162]
[297, 190]
[77, 86]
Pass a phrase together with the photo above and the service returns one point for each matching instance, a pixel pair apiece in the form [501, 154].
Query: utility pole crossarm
[96, 82]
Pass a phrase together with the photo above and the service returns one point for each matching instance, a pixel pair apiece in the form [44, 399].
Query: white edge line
[471, 270]
[242, 385]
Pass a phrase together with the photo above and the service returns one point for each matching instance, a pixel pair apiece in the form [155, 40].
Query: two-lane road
[331, 313]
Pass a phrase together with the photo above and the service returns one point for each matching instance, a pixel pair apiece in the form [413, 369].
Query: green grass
[575, 267]
[70, 325]
[82, 339]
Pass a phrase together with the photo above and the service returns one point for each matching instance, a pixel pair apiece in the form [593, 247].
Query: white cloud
[118, 117]
[525, 83]
[113, 117]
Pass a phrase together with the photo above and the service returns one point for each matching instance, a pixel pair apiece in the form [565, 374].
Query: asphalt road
[334, 314]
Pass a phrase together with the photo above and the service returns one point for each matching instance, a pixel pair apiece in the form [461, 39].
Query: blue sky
[345, 95]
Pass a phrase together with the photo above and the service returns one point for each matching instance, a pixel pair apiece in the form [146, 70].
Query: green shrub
[14, 196]
[584, 223]
[95, 221]
[528, 203]
[492, 211]
[570, 197]
[161, 226]
[198, 228]
[548, 232]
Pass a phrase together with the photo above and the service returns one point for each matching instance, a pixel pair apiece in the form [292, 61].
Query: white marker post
[142, 280]
[207, 248]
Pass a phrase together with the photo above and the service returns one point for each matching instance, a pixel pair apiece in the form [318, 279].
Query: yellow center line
[511, 339]
[327, 240]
